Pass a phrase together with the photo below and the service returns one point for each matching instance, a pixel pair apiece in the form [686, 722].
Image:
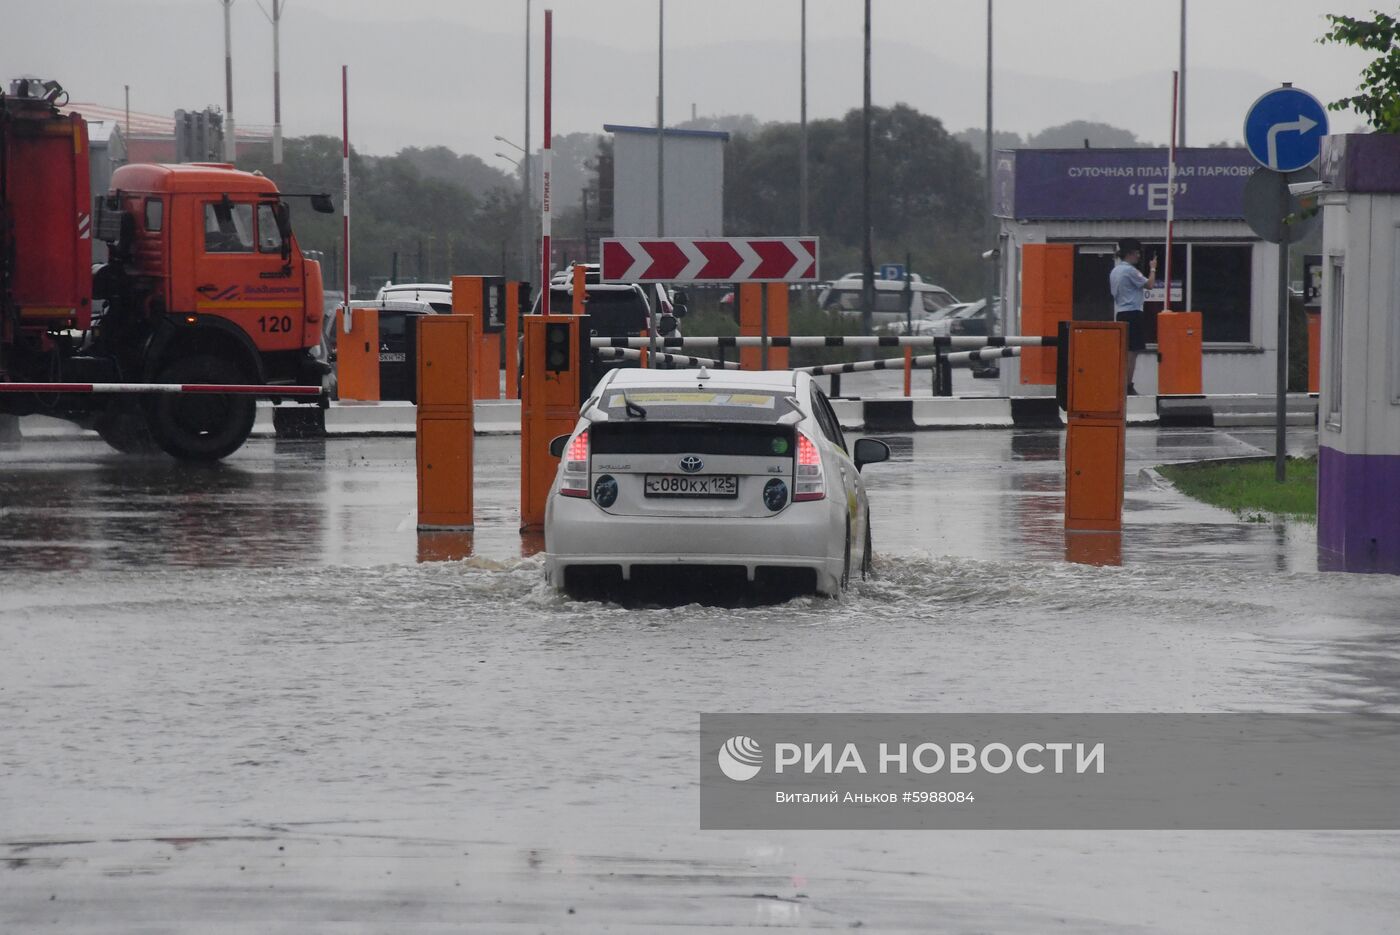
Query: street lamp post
[867, 315]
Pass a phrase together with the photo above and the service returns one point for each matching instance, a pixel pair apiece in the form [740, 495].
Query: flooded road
[236, 700]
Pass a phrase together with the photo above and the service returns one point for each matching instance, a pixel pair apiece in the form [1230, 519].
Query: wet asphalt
[251, 697]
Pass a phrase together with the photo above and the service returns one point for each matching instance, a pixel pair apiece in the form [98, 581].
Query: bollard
[556, 355]
[1047, 298]
[479, 298]
[749, 296]
[776, 310]
[357, 357]
[1096, 403]
[580, 293]
[908, 370]
[1179, 354]
[444, 442]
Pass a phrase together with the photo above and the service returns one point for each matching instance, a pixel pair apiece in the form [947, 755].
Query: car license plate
[682, 485]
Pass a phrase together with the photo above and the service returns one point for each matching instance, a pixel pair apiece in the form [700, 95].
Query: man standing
[1127, 284]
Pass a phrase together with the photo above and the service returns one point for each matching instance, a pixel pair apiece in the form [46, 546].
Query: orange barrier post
[1097, 410]
[580, 294]
[556, 354]
[1047, 298]
[472, 297]
[749, 295]
[1178, 354]
[1314, 351]
[357, 356]
[515, 293]
[776, 294]
[908, 371]
[444, 444]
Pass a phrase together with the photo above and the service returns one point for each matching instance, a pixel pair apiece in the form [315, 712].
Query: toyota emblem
[690, 464]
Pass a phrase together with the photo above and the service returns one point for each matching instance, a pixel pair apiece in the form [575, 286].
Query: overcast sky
[427, 72]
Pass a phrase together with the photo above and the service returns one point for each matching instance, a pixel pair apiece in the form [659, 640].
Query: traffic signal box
[1096, 403]
[556, 358]
[444, 347]
[752, 297]
[1047, 298]
[1179, 353]
[357, 355]
[483, 298]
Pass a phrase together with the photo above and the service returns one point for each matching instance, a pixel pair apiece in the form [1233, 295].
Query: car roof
[778, 380]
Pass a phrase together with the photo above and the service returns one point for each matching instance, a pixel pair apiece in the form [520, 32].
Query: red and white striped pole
[1171, 203]
[345, 185]
[546, 160]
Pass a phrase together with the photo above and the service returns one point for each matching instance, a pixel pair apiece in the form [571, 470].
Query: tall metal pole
[660, 118]
[1171, 204]
[802, 217]
[546, 159]
[345, 181]
[276, 82]
[1181, 67]
[527, 250]
[1281, 403]
[126, 121]
[990, 288]
[867, 315]
[230, 143]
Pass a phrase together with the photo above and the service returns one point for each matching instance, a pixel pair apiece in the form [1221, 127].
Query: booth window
[1336, 372]
[1217, 279]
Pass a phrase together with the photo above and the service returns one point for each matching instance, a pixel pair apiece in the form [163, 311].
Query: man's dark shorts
[1137, 330]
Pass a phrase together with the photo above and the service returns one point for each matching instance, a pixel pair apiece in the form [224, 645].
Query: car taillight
[810, 483]
[575, 478]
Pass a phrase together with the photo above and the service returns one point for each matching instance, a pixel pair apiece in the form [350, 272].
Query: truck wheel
[199, 427]
[123, 426]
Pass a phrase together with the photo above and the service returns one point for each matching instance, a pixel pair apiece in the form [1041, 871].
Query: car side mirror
[558, 443]
[666, 325]
[870, 451]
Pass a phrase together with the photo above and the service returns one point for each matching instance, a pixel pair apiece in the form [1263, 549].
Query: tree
[1379, 97]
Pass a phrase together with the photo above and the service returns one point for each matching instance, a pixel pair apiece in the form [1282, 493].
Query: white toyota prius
[744, 475]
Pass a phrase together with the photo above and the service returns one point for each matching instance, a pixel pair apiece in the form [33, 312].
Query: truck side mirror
[282, 213]
[322, 204]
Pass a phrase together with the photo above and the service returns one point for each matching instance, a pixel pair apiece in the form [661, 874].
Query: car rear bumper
[806, 535]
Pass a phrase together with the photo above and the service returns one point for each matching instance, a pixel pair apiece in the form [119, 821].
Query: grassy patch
[1249, 489]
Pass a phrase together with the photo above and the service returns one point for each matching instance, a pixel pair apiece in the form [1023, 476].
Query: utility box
[445, 416]
[1179, 354]
[1047, 298]
[1358, 483]
[357, 356]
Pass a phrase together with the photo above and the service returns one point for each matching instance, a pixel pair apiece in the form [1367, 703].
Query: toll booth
[1358, 482]
[1083, 201]
[553, 388]
[485, 299]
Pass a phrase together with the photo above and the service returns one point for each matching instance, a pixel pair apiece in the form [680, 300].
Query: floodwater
[237, 700]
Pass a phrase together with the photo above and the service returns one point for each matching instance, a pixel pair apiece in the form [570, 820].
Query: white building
[1092, 198]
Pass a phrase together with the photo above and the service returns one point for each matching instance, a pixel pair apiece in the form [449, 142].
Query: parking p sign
[1284, 129]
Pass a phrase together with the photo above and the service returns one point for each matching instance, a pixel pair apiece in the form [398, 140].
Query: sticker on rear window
[681, 398]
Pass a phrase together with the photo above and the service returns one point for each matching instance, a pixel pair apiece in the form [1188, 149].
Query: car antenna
[631, 408]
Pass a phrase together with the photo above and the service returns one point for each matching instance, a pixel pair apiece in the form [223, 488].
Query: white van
[844, 295]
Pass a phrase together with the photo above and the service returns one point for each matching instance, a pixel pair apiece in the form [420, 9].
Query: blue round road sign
[1284, 129]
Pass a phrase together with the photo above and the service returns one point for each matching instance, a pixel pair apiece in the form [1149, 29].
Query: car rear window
[684, 404]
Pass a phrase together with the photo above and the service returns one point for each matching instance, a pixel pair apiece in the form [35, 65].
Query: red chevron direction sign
[709, 259]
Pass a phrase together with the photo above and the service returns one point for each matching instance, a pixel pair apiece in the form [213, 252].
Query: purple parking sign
[1119, 184]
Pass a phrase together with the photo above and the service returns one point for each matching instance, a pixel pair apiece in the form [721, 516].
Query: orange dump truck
[204, 286]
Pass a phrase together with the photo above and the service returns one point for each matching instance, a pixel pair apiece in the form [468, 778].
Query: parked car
[438, 295]
[846, 295]
[395, 379]
[744, 474]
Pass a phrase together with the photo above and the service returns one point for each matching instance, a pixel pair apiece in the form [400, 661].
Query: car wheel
[867, 561]
[846, 568]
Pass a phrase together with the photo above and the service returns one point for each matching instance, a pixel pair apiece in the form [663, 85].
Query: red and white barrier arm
[221, 389]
